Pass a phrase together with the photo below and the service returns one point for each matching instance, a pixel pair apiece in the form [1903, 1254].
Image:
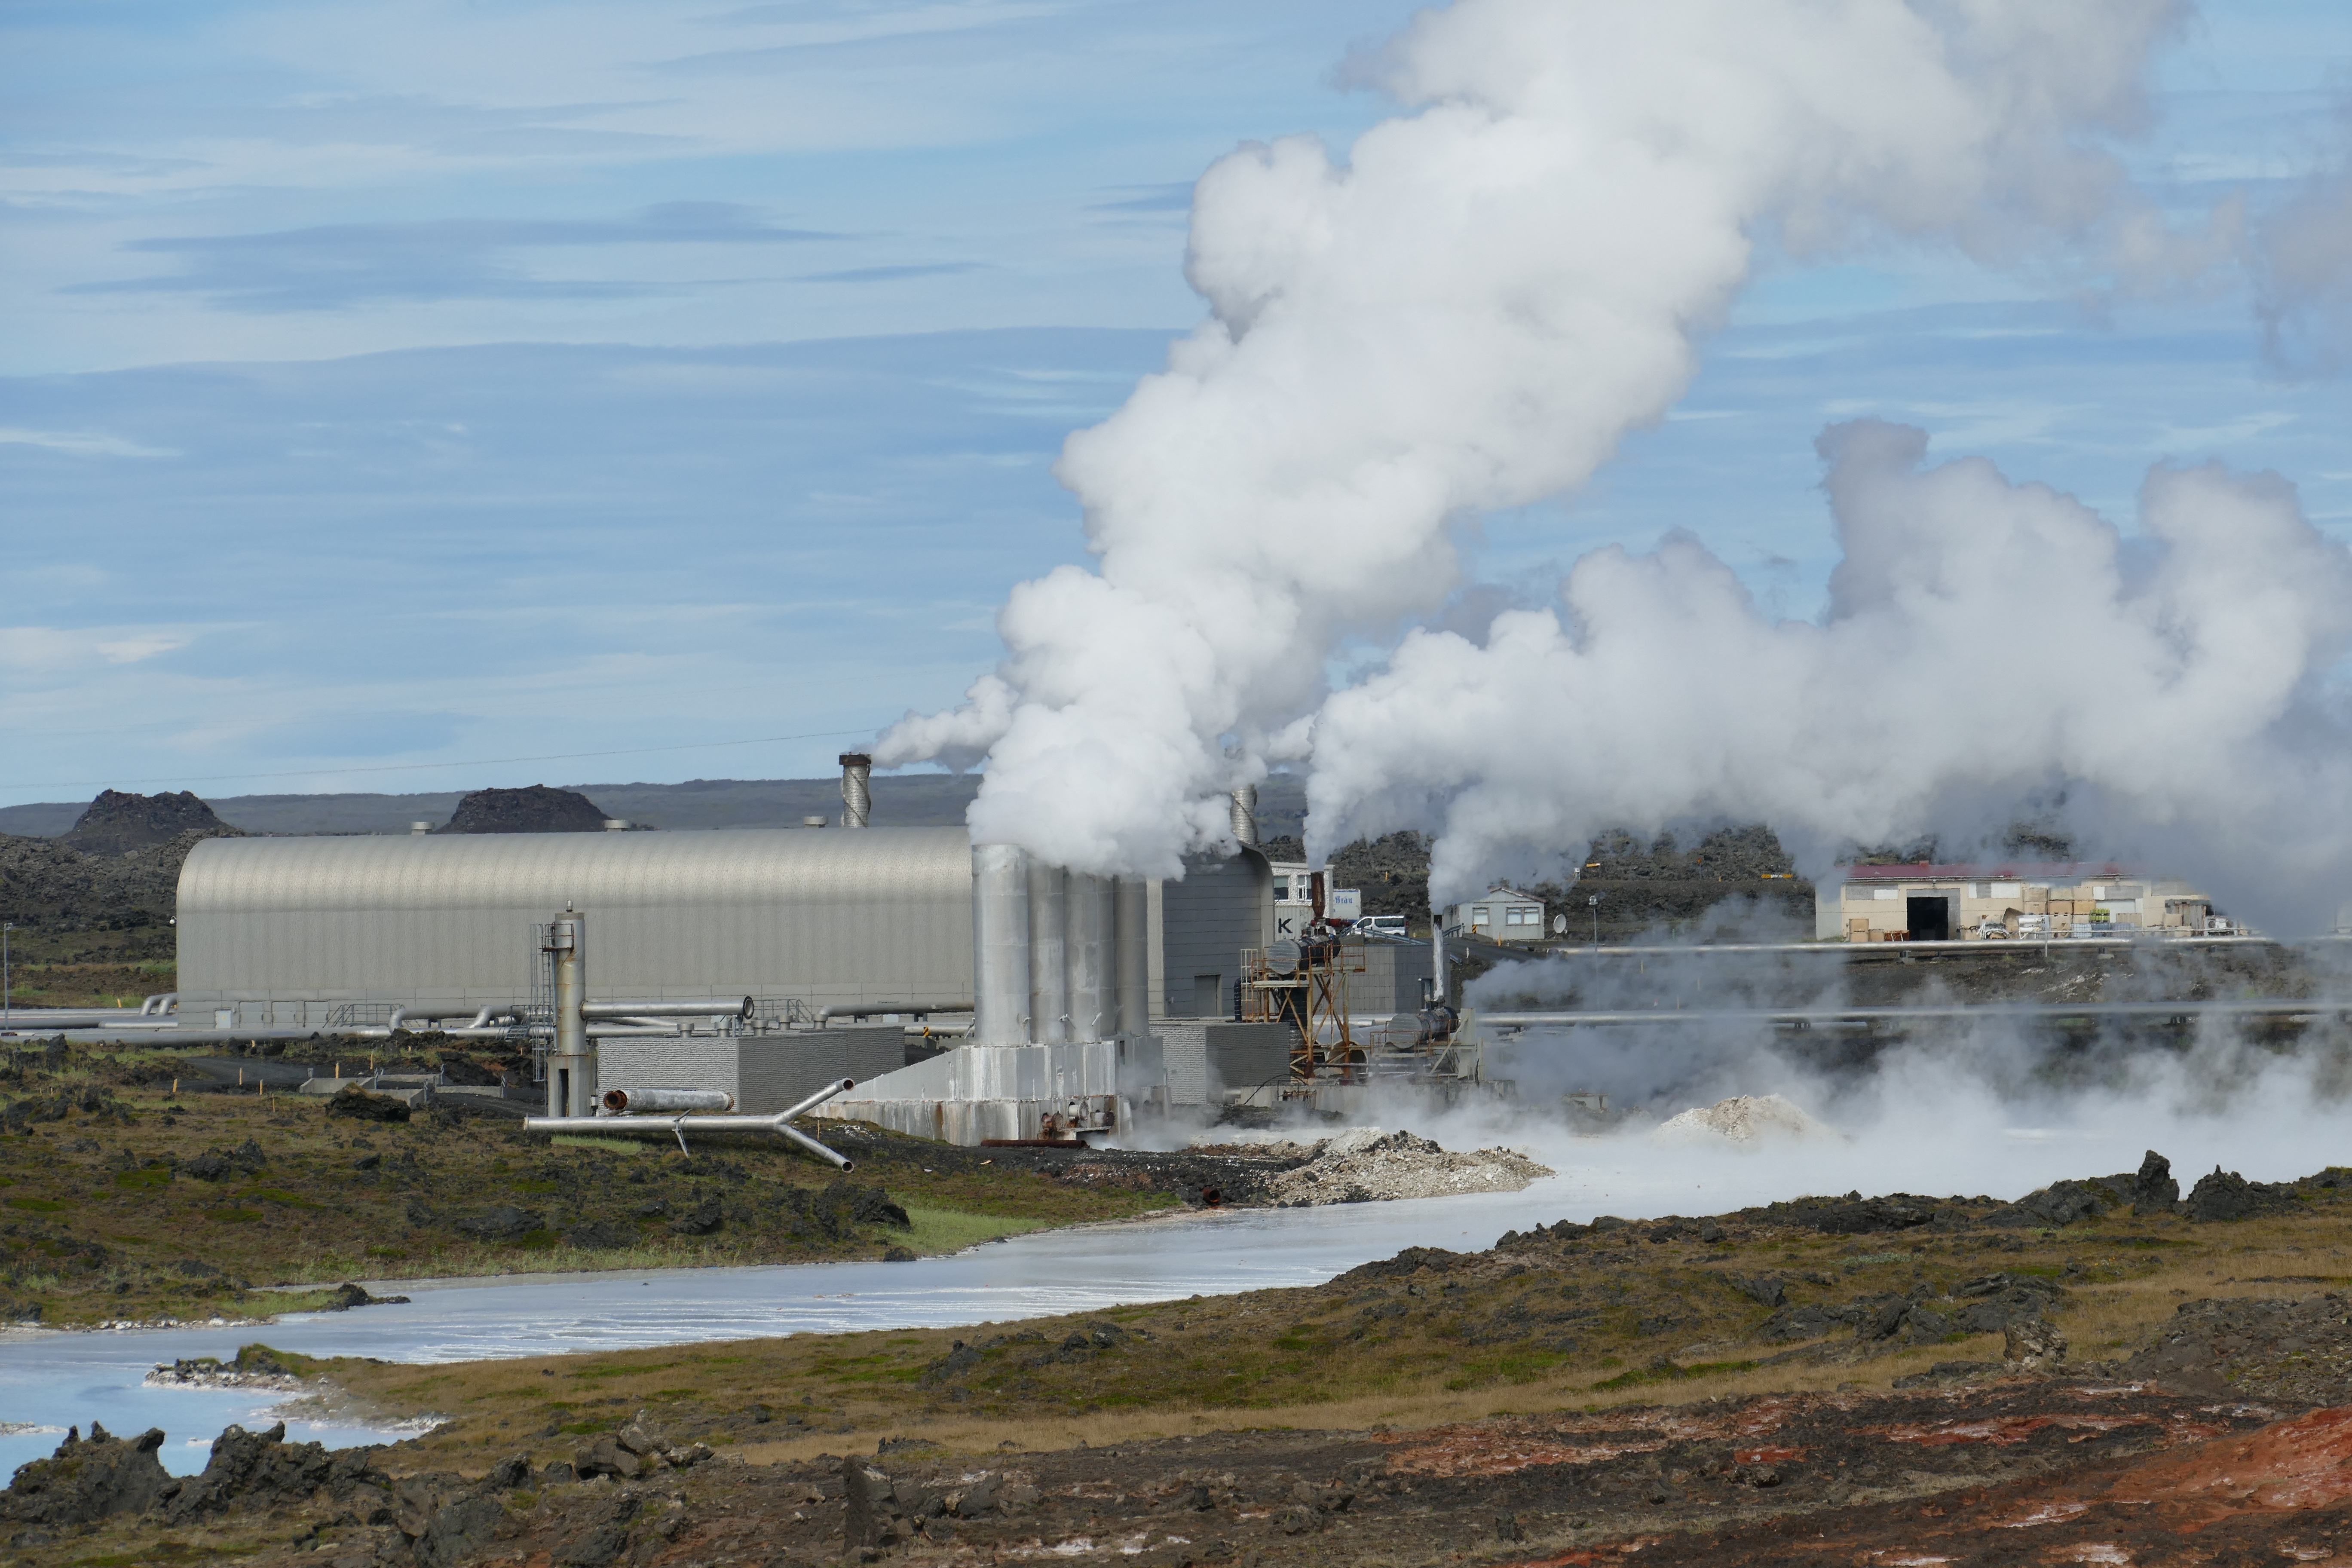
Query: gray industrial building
[288, 932]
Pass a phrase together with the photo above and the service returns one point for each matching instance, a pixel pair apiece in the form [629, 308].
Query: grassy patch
[93, 1202]
[610, 1146]
[952, 1230]
[1669, 1372]
[1586, 1322]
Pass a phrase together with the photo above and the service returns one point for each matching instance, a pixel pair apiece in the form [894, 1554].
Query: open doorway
[1930, 919]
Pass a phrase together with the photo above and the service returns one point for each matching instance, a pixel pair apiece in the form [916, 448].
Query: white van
[1379, 925]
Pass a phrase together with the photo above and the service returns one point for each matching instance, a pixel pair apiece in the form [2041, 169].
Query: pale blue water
[56, 1379]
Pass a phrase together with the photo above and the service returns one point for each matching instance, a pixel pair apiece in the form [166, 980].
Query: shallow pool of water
[55, 1380]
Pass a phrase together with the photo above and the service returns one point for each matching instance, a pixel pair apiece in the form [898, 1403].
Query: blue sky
[389, 388]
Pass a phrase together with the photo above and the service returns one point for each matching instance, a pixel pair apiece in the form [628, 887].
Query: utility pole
[7, 974]
[1594, 900]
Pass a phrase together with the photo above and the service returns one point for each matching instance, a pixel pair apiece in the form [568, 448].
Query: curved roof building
[278, 933]
[823, 916]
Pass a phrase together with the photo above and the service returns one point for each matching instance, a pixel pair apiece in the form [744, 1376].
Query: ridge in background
[912, 800]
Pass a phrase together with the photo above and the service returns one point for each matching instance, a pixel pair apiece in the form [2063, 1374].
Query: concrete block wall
[1203, 1060]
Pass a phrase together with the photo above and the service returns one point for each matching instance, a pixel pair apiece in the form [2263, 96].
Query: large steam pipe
[732, 1007]
[856, 789]
[1000, 944]
[675, 1125]
[1132, 901]
[632, 1101]
[1049, 950]
[2043, 1012]
[1094, 979]
[1437, 950]
[875, 1009]
[157, 1006]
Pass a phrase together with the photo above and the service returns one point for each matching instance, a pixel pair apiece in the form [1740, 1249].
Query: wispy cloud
[143, 646]
[891, 274]
[82, 443]
[340, 265]
[1169, 198]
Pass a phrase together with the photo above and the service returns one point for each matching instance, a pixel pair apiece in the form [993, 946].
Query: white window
[2008, 890]
[1881, 893]
[1521, 915]
[1481, 917]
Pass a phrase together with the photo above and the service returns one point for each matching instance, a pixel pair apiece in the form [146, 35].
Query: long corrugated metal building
[281, 932]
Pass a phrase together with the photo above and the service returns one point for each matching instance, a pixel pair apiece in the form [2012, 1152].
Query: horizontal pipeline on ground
[2053, 1012]
[2037, 945]
[677, 1125]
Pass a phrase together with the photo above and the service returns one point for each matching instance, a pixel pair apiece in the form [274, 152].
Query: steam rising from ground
[1471, 312]
[1990, 1107]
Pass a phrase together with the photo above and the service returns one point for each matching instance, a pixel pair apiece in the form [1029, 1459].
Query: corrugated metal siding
[1221, 907]
[882, 914]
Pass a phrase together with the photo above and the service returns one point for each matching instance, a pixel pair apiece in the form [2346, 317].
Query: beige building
[1974, 903]
[1504, 914]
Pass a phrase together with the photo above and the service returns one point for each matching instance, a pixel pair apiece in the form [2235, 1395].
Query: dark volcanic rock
[2154, 1190]
[1857, 1216]
[597, 1236]
[87, 1478]
[348, 1295]
[1993, 1304]
[873, 1207]
[538, 809]
[503, 1223]
[362, 1106]
[2226, 1195]
[247, 1470]
[117, 822]
[2064, 1203]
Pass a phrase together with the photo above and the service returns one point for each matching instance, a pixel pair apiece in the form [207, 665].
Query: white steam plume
[1470, 312]
[1984, 640]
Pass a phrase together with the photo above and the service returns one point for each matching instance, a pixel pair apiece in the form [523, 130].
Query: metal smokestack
[1092, 958]
[1049, 962]
[856, 789]
[1130, 938]
[999, 941]
[572, 1066]
[1245, 815]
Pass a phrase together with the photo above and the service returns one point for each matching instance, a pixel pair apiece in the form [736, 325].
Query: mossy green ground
[102, 1218]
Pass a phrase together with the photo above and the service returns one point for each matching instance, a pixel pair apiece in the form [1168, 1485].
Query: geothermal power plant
[969, 993]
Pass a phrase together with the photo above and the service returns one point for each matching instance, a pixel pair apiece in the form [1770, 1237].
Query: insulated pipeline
[678, 1125]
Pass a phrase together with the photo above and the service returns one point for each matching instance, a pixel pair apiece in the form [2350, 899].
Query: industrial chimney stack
[856, 789]
[1245, 815]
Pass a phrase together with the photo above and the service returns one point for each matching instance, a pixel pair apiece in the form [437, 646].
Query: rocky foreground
[2108, 1371]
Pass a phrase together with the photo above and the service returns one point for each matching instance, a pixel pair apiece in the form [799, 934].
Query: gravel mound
[1744, 1119]
[1367, 1164]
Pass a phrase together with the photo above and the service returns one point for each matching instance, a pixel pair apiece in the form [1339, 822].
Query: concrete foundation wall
[975, 1092]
